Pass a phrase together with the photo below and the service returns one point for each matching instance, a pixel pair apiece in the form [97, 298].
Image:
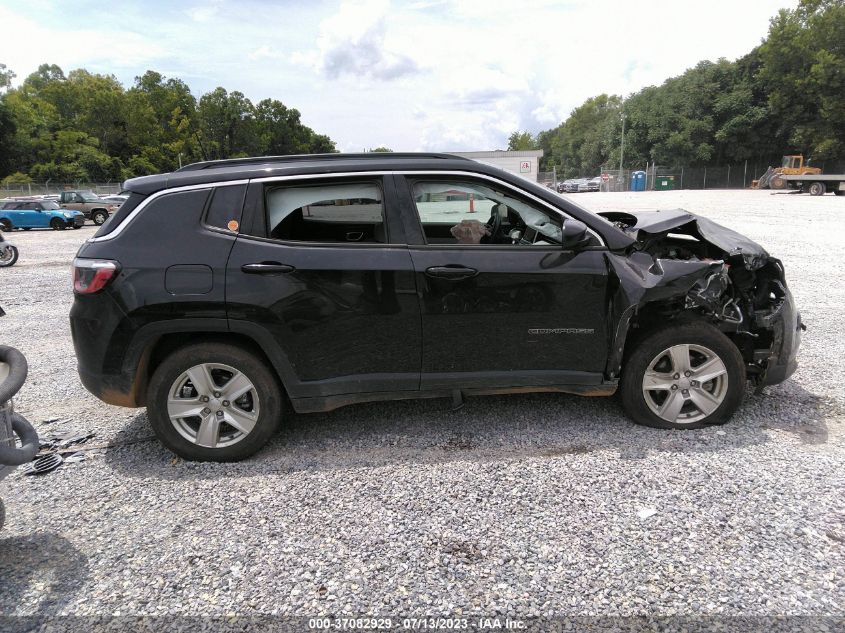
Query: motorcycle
[8, 253]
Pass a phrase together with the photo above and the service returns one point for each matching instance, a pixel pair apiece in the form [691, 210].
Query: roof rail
[258, 160]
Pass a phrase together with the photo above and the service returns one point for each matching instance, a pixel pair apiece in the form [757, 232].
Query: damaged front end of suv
[685, 267]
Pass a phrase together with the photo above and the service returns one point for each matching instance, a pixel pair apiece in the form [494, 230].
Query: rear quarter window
[226, 205]
[117, 217]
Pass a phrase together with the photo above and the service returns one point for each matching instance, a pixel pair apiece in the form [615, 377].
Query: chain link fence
[661, 177]
[20, 189]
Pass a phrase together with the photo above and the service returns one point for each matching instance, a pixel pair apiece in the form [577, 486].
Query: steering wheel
[493, 224]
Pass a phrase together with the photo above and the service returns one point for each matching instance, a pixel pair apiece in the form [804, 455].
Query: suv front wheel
[683, 377]
[99, 217]
[214, 402]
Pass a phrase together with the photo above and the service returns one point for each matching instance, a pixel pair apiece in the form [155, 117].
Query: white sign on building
[521, 163]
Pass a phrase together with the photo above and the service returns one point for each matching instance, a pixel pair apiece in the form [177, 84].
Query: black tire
[265, 383]
[652, 345]
[839, 193]
[6, 225]
[12, 259]
[99, 217]
[57, 225]
[817, 189]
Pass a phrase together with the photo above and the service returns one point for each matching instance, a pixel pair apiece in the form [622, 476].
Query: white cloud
[264, 52]
[114, 50]
[203, 13]
[353, 42]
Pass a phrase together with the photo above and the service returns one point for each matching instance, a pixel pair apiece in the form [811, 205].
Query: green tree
[521, 141]
[6, 77]
[803, 72]
[44, 76]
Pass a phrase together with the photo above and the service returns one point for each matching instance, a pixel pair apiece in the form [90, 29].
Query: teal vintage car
[38, 214]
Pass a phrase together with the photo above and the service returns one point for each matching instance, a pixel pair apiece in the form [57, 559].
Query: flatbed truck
[817, 184]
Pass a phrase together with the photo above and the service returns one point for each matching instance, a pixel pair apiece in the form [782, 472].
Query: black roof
[266, 166]
[299, 158]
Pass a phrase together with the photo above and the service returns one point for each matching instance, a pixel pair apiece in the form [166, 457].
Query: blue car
[38, 214]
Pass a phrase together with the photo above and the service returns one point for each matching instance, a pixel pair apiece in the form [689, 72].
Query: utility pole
[622, 154]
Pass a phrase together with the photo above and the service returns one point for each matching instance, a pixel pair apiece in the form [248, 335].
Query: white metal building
[525, 164]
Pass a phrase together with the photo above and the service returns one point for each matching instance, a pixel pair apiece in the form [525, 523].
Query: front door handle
[267, 268]
[455, 273]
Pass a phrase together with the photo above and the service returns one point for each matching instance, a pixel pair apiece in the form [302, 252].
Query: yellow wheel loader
[791, 165]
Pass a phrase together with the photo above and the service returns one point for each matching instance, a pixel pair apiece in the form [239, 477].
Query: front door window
[454, 212]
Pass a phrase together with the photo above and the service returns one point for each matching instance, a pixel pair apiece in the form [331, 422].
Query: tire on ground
[817, 189]
[9, 257]
[266, 385]
[697, 333]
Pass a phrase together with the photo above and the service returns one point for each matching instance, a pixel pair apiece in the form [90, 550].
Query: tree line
[786, 96]
[88, 127]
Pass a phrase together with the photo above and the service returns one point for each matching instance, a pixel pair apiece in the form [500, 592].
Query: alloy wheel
[685, 383]
[213, 405]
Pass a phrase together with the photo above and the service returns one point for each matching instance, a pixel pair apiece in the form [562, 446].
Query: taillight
[92, 275]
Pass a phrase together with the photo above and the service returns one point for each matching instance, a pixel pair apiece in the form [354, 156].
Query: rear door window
[327, 213]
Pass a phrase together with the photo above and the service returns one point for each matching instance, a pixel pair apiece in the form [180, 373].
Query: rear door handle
[267, 268]
[454, 273]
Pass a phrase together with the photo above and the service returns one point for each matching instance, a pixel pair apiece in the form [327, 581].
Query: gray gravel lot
[520, 505]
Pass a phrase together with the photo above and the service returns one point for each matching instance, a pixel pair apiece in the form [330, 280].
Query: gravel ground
[521, 505]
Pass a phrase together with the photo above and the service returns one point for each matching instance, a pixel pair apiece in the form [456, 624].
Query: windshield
[50, 206]
[88, 196]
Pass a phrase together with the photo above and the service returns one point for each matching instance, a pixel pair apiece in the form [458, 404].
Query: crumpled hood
[641, 224]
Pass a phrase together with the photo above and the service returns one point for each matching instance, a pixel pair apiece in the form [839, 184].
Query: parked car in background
[115, 199]
[594, 184]
[90, 205]
[573, 185]
[225, 291]
[38, 214]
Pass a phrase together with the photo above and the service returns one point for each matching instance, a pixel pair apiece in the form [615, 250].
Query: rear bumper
[97, 328]
[787, 327]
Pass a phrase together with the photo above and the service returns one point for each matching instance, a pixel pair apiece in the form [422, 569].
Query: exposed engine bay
[684, 267]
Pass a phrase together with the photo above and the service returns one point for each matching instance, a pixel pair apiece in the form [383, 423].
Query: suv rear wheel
[683, 377]
[214, 402]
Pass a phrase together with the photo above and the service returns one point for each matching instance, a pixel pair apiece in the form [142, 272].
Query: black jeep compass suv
[219, 293]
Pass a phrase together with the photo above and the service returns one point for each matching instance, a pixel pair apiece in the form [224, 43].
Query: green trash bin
[664, 183]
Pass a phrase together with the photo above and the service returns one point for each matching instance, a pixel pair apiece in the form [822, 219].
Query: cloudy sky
[416, 75]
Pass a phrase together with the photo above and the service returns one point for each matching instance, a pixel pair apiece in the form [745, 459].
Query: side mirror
[574, 234]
